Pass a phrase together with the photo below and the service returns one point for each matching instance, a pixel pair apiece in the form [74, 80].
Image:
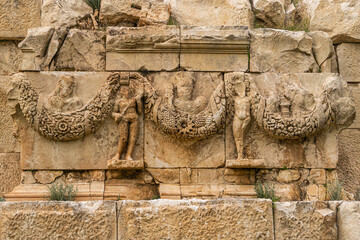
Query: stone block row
[185, 219]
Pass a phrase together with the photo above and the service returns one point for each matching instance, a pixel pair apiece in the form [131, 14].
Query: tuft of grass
[2, 199]
[357, 195]
[172, 21]
[266, 191]
[61, 192]
[155, 197]
[118, 198]
[334, 190]
[94, 4]
[304, 25]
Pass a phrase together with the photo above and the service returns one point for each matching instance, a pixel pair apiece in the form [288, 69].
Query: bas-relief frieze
[285, 107]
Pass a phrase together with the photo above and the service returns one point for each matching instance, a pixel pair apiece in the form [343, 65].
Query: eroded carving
[179, 114]
[54, 124]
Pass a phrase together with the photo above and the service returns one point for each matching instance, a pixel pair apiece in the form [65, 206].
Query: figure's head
[241, 88]
[65, 86]
[185, 85]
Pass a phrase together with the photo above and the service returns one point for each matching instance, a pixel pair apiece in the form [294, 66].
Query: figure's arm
[138, 103]
[115, 113]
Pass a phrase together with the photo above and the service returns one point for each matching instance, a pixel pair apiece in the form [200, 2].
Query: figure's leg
[243, 129]
[237, 136]
[123, 132]
[134, 128]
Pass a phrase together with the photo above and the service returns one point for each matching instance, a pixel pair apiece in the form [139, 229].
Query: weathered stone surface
[349, 162]
[34, 47]
[146, 48]
[17, 16]
[64, 14]
[317, 176]
[129, 191]
[51, 220]
[211, 13]
[83, 50]
[340, 19]
[196, 219]
[166, 151]
[134, 13]
[46, 177]
[304, 220]
[165, 175]
[288, 176]
[223, 48]
[239, 176]
[125, 164]
[271, 12]
[348, 220]
[27, 177]
[287, 192]
[273, 50]
[348, 59]
[11, 57]
[315, 192]
[322, 48]
[10, 173]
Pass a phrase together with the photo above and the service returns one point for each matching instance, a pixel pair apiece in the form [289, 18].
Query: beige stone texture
[46, 177]
[56, 220]
[349, 161]
[63, 15]
[17, 16]
[355, 90]
[270, 12]
[10, 173]
[348, 220]
[315, 192]
[125, 164]
[239, 176]
[134, 13]
[27, 177]
[317, 176]
[195, 219]
[216, 48]
[211, 12]
[97, 175]
[170, 191]
[168, 176]
[245, 163]
[273, 50]
[83, 50]
[287, 176]
[166, 151]
[8, 143]
[304, 220]
[287, 192]
[349, 61]
[92, 151]
[129, 191]
[339, 19]
[153, 48]
[316, 151]
[322, 48]
[10, 57]
[56, 41]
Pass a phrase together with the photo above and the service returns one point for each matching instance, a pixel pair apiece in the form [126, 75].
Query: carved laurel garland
[70, 125]
[183, 125]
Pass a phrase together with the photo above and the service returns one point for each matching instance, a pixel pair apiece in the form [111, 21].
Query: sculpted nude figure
[126, 114]
[241, 117]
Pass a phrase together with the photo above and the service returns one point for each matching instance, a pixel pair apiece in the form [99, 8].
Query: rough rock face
[83, 50]
[322, 48]
[304, 220]
[10, 57]
[211, 12]
[196, 219]
[58, 220]
[281, 51]
[349, 220]
[9, 173]
[271, 12]
[46, 177]
[340, 19]
[134, 13]
[348, 56]
[63, 13]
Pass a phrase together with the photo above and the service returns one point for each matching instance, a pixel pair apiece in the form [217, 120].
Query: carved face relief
[65, 87]
[184, 87]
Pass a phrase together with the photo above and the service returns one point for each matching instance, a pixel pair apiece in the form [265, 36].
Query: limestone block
[63, 15]
[129, 191]
[196, 219]
[83, 50]
[170, 191]
[46, 177]
[211, 13]
[164, 150]
[54, 45]
[125, 164]
[17, 16]
[349, 161]
[287, 192]
[273, 50]
[355, 90]
[34, 48]
[271, 12]
[90, 152]
[348, 220]
[8, 143]
[348, 59]
[10, 173]
[51, 220]
[223, 48]
[317, 176]
[288, 176]
[97, 175]
[27, 177]
[239, 176]
[339, 19]
[11, 57]
[168, 176]
[322, 48]
[317, 150]
[315, 192]
[134, 13]
[304, 220]
[153, 48]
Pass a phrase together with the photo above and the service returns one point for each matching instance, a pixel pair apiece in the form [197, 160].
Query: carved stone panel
[69, 124]
[185, 115]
